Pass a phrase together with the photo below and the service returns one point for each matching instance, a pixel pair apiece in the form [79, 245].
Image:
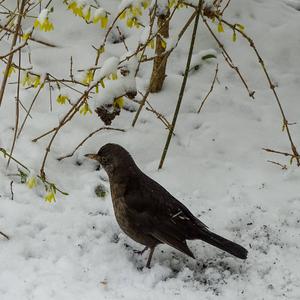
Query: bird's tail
[224, 244]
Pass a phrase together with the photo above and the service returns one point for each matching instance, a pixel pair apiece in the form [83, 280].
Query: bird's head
[112, 157]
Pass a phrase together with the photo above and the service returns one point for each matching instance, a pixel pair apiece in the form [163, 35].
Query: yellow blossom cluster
[84, 11]
[50, 196]
[44, 25]
[118, 102]
[31, 80]
[10, 71]
[62, 99]
[101, 16]
[133, 12]
[178, 3]
[31, 182]
[85, 109]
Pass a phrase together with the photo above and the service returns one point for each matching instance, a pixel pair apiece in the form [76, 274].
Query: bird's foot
[140, 252]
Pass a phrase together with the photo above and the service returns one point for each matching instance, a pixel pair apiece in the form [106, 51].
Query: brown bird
[148, 213]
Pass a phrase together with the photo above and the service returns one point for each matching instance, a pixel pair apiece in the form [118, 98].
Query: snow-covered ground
[74, 249]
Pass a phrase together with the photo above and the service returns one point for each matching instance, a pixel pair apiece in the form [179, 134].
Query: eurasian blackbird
[148, 213]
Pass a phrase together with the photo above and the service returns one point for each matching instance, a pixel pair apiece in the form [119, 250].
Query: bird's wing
[163, 215]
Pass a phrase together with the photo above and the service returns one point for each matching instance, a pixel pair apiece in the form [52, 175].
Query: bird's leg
[140, 252]
[150, 257]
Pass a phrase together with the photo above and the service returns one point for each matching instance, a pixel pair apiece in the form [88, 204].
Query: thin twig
[71, 68]
[13, 43]
[167, 54]
[11, 190]
[122, 38]
[182, 89]
[227, 57]
[17, 111]
[160, 116]
[4, 235]
[86, 138]
[106, 35]
[210, 90]
[279, 152]
[225, 7]
[14, 50]
[272, 87]
[5, 153]
[283, 167]
[29, 110]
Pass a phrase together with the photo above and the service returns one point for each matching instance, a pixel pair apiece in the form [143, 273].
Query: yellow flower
[151, 44]
[135, 11]
[114, 76]
[10, 71]
[163, 43]
[240, 26]
[77, 10]
[26, 80]
[101, 49]
[102, 83]
[145, 4]
[220, 27]
[133, 22]
[26, 36]
[46, 25]
[101, 16]
[234, 36]
[61, 99]
[50, 197]
[89, 76]
[85, 109]
[72, 6]
[31, 80]
[171, 3]
[129, 22]
[119, 102]
[87, 16]
[104, 21]
[36, 81]
[31, 182]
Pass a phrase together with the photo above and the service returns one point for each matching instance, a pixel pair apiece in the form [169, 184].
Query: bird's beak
[92, 156]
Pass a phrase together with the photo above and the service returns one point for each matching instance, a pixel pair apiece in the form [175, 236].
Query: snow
[74, 249]
[110, 66]
[197, 58]
[114, 89]
[99, 12]
[43, 15]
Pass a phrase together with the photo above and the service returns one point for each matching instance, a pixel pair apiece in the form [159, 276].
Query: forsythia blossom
[50, 197]
[31, 80]
[31, 182]
[100, 15]
[85, 109]
[42, 22]
[61, 99]
[89, 76]
[119, 102]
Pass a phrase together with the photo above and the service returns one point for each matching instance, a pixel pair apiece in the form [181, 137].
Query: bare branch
[85, 139]
[210, 90]
[13, 43]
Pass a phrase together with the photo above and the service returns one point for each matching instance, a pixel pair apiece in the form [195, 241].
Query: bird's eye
[104, 160]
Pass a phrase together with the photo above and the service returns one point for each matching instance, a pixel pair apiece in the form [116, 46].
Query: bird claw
[140, 252]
